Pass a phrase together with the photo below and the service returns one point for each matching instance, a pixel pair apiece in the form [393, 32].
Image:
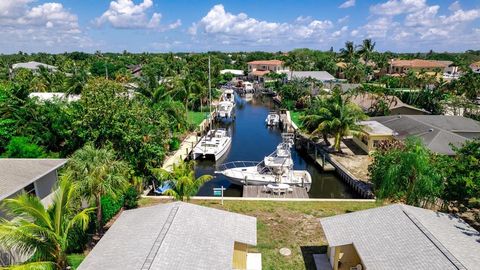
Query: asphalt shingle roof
[406, 237]
[17, 173]
[436, 131]
[172, 236]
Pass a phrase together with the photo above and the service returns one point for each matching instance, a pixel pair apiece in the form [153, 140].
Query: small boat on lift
[213, 145]
[272, 119]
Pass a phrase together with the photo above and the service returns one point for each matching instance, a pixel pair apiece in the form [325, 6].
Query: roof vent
[430, 130]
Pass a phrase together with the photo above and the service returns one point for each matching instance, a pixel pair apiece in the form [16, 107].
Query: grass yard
[74, 260]
[295, 116]
[294, 225]
[196, 118]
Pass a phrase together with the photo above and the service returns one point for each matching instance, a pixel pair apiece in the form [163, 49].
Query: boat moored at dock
[213, 145]
[272, 119]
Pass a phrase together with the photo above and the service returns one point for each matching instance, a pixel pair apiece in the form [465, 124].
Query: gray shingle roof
[436, 131]
[17, 173]
[406, 237]
[319, 75]
[172, 236]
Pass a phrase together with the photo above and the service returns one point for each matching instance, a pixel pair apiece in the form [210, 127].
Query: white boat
[248, 97]
[240, 173]
[248, 87]
[280, 161]
[228, 95]
[225, 109]
[214, 145]
[272, 119]
[275, 168]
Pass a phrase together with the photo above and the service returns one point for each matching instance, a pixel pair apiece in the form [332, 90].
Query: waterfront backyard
[294, 225]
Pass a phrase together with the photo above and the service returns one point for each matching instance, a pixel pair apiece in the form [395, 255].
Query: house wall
[367, 142]
[44, 185]
[239, 256]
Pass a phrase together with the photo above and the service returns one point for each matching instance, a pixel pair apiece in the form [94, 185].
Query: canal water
[252, 140]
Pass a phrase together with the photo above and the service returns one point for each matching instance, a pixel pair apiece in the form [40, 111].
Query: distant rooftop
[172, 236]
[32, 65]
[266, 62]
[436, 131]
[50, 96]
[17, 173]
[420, 63]
[367, 100]
[375, 128]
[237, 72]
[318, 75]
[406, 237]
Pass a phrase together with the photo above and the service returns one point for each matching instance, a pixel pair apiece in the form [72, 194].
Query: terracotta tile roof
[266, 62]
[260, 72]
[475, 65]
[420, 63]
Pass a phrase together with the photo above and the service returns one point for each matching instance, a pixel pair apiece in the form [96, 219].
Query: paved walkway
[182, 153]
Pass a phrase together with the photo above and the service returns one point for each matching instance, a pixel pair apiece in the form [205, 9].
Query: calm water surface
[252, 141]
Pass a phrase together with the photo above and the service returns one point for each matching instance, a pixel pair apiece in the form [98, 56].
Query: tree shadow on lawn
[307, 253]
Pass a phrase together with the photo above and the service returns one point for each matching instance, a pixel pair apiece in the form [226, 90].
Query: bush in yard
[131, 198]
[174, 144]
[110, 207]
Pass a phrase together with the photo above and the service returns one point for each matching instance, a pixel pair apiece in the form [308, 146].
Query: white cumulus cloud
[42, 27]
[228, 28]
[125, 14]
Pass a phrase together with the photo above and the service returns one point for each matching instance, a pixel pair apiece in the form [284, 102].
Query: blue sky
[195, 25]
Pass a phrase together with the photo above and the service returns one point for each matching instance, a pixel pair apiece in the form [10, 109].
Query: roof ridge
[433, 239]
[160, 237]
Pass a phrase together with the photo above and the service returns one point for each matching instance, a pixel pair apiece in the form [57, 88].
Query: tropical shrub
[131, 197]
[110, 207]
[22, 147]
[406, 173]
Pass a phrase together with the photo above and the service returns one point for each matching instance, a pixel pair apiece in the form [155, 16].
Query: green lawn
[74, 260]
[196, 118]
[295, 116]
[293, 225]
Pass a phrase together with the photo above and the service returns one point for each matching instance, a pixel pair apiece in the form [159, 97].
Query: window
[30, 189]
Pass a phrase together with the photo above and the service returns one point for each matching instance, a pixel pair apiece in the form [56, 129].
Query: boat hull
[199, 153]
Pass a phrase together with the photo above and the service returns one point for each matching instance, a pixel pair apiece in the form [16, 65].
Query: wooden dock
[260, 192]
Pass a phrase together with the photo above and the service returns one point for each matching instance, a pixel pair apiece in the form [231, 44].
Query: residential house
[34, 176]
[400, 237]
[368, 102]
[135, 70]
[258, 69]
[398, 66]
[437, 132]
[475, 67]
[371, 135]
[176, 236]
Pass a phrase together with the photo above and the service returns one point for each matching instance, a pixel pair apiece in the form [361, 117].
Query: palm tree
[97, 172]
[77, 81]
[293, 63]
[182, 177]
[366, 49]
[43, 234]
[348, 53]
[336, 116]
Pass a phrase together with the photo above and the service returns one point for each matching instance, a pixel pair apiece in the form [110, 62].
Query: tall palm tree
[293, 63]
[348, 53]
[98, 172]
[336, 116]
[40, 233]
[183, 181]
[366, 49]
